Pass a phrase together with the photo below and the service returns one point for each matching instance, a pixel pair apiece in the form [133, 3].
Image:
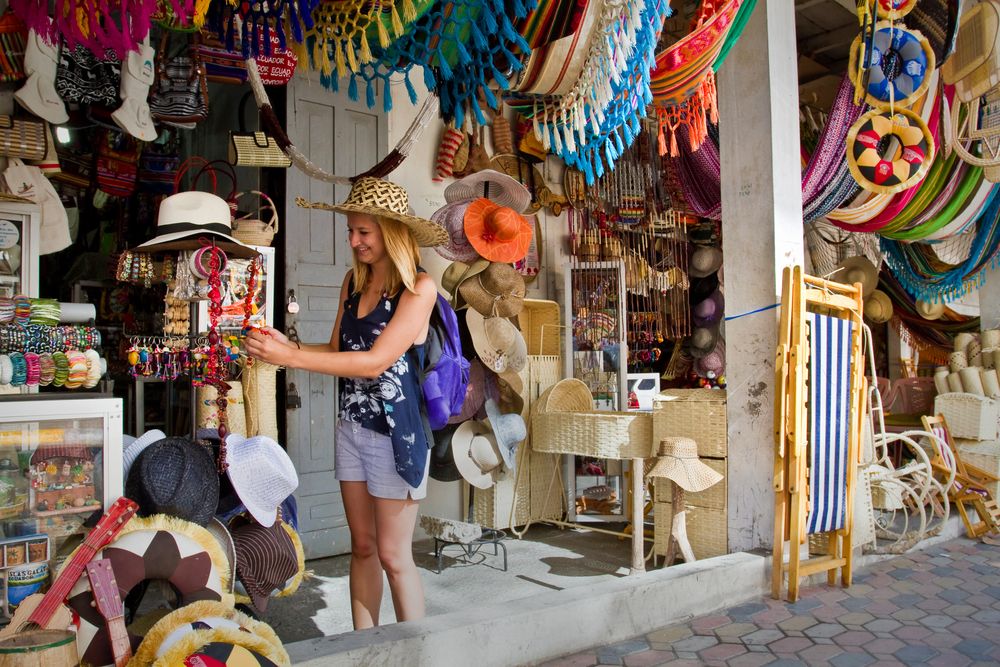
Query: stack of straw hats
[972, 366]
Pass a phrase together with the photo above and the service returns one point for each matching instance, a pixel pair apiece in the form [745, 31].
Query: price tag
[9, 234]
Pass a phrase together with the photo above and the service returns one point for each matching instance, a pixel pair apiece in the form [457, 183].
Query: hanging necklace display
[215, 366]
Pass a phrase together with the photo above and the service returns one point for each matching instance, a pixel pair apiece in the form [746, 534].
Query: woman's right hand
[277, 335]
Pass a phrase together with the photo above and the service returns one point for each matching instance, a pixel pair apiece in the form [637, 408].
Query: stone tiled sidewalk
[937, 607]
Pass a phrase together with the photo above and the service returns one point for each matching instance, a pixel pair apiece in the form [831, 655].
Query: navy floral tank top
[391, 403]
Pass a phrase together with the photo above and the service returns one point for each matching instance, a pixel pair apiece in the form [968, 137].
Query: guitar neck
[121, 647]
[62, 586]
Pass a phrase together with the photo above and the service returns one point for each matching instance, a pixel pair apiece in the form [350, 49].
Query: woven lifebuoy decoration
[183, 554]
[889, 154]
[901, 63]
[893, 9]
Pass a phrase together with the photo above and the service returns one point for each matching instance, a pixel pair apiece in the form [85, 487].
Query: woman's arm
[406, 325]
[333, 345]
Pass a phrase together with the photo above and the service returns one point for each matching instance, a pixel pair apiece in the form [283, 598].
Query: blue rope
[752, 312]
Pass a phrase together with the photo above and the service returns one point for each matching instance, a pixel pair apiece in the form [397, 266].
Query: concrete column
[762, 233]
[989, 300]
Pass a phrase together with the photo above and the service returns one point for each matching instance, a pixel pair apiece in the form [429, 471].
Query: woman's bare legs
[366, 572]
[394, 524]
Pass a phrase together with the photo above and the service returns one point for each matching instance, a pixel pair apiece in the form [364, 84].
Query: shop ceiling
[824, 31]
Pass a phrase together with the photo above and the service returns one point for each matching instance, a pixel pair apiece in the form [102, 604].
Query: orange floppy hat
[498, 233]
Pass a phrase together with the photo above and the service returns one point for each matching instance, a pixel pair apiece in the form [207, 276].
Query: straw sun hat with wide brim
[186, 218]
[678, 461]
[477, 454]
[382, 198]
[857, 270]
[452, 218]
[498, 233]
[497, 291]
[705, 261]
[493, 185]
[930, 311]
[878, 307]
[498, 343]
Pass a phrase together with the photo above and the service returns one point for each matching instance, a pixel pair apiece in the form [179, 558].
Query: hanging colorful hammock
[97, 25]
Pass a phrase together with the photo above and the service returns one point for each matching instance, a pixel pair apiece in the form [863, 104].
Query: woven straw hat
[510, 391]
[498, 233]
[477, 454]
[499, 344]
[678, 462]
[508, 429]
[377, 196]
[493, 185]
[857, 270]
[705, 261]
[135, 446]
[455, 274]
[452, 218]
[702, 341]
[175, 476]
[261, 473]
[878, 307]
[498, 291]
[930, 311]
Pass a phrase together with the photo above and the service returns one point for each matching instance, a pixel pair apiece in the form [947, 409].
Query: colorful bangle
[62, 369]
[45, 311]
[93, 369]
[33, 370]
[47, 369]
[77, 369]
[22, 309]
[201, 262]
[6, 310]
[6, 369]
[20, 375]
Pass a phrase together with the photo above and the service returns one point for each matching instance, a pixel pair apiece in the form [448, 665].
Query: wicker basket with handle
[252, 228]
[969, 415]
[614, 435]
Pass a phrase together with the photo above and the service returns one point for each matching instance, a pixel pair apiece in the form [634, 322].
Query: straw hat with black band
[493, 185]
[186, 218]
[382, 198]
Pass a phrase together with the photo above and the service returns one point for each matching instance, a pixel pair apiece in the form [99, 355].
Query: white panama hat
[185, 217]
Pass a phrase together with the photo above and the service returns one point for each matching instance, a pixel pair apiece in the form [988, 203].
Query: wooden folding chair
[971, 486]
[819, 390]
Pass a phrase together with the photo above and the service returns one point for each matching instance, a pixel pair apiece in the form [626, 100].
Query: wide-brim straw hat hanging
[705, 261]
[185, 218]
[457, 248]
[857, 270]
[493, 185]
[930, 311]
[382, 198]
[477, 454]
[456, 274]
[498, 343]
[509, 429]
[497, 291]
[878, 307]
[678, 461]
[175, 476]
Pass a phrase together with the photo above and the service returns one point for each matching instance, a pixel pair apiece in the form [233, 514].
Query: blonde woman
[382, 445]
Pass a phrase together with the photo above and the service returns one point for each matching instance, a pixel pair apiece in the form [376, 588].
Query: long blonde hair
[404, 252]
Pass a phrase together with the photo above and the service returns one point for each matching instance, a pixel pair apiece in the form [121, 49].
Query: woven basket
[545, 498]
[540, 324]
[699, 414]
[707, 530]
[714, 497]
[614, 435]
[969, 415]
[208, 413]
[251, 228]
[260, 399]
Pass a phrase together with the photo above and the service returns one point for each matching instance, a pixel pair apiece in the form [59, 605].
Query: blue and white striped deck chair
[829, 417]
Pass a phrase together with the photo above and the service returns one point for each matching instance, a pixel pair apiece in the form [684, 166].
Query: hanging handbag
[117, 166]
[158, 164]
[254, 149]
[257, 227]
[28, 182]
[225, 66]
[180, 94]
[83, 79]
[23, 138]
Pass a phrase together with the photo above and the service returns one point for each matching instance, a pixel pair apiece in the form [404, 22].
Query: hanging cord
[385, 166]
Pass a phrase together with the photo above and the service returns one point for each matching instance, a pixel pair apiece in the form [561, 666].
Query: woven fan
[980, 123]
[974, 67]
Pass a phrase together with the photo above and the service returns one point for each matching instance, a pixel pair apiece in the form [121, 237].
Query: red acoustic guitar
[47, 611]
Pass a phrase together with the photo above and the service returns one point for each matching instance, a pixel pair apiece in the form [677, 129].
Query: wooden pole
[638, 527]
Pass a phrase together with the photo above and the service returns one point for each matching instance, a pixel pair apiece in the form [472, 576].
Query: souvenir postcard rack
[819, 391]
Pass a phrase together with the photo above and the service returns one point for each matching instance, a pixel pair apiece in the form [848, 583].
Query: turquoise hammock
[914, 263]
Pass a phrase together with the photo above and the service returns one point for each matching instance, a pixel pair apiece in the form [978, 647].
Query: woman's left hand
[260, 345]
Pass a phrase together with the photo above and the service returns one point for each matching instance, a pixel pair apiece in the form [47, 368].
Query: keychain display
[176, 314]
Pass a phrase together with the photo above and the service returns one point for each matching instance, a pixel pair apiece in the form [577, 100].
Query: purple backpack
[445, 370]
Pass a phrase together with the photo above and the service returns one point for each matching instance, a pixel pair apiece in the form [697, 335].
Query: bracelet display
[6, 369]
[33, 371]
[20, 375]
[47, 369]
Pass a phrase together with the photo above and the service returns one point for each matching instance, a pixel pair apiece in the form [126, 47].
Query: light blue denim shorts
[362, 455]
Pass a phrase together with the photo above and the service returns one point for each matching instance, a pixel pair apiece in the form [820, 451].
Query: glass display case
[19, 238]
[597, 352]
[60, 462]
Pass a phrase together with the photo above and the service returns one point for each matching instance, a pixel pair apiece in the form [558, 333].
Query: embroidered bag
[83, 79]
[116, 164]
[180, 94]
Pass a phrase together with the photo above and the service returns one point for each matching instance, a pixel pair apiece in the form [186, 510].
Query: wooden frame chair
[971, 486]
[819, 394]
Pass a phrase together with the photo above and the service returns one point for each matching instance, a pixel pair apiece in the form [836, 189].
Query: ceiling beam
[840, 37]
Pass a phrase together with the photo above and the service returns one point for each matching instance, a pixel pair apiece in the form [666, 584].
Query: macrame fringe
[694, 114]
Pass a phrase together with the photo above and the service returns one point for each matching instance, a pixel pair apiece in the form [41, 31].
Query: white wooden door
[347, 138]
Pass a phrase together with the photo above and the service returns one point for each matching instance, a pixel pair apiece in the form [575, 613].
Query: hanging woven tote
[259, 382]
[503, 140]
[450, 142]
[252, 228]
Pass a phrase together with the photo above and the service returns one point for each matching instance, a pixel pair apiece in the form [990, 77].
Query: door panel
[345, 137]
